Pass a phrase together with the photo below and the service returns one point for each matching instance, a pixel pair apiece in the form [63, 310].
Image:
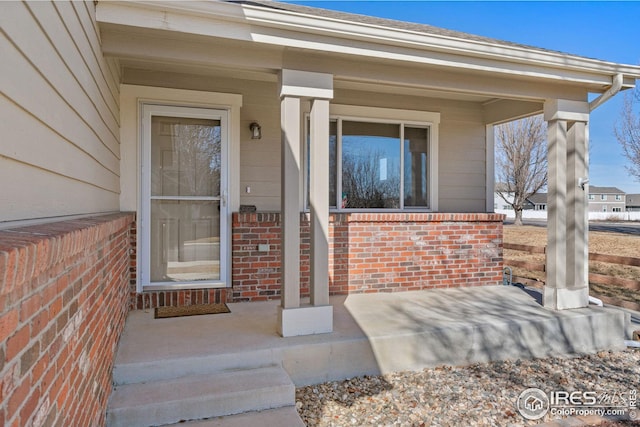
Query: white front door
[184, 188]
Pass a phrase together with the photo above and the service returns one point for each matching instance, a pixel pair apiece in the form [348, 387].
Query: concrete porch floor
[373, 333]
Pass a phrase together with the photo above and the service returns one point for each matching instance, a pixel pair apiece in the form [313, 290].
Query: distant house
[632, 202]
[499, 201]
[601, 199]
[606, 199]
[538, 201]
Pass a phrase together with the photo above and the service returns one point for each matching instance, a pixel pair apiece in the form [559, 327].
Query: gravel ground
[477, 395]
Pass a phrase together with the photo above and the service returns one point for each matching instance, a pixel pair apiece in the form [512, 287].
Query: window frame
[400, 117]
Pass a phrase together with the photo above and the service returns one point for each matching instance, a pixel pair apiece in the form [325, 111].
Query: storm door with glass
[184, 220]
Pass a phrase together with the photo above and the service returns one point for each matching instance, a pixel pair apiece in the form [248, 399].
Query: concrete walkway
[373, 333]
[380, 332]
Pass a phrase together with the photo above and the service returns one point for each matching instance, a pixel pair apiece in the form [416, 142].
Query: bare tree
[361, 183]
[521, 161]
[627, 132]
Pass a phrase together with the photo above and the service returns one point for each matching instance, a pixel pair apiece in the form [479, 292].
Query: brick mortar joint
[259, 218]
[77, 335]
[88, 231]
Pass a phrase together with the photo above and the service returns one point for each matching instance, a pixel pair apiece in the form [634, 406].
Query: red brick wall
[63, 302]
[408, 252]
[373, 252]
[255, 275]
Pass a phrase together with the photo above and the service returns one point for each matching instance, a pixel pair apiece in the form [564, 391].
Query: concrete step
[281, 417]
[199, 397]
[167, 368]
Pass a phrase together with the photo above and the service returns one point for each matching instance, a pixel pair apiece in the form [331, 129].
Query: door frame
[131, 99]
[155, 109]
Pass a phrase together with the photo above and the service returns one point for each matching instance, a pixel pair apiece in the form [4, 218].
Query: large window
[378, 164]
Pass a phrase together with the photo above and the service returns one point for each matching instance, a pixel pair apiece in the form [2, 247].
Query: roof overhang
[280, 34]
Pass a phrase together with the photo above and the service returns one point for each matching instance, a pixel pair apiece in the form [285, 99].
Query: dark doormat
[190, 310]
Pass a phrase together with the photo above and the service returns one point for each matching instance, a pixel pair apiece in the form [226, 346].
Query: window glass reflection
[370, 165]
[185, 157]
[416, 149]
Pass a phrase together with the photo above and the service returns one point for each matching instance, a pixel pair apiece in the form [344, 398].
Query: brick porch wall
[368, 252]
[373, 252]
[63, 303]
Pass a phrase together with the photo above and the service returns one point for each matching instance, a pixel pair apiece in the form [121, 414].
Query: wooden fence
[596, 278]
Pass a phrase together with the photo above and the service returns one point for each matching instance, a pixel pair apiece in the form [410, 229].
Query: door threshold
[183, 286]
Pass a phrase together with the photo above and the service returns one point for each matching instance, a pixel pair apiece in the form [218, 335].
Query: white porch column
[577, 212]
[293, 318]
[319, 201]
[290, 202]
[567, 284]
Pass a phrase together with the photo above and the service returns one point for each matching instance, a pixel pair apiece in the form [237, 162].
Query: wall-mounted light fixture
[256, 130]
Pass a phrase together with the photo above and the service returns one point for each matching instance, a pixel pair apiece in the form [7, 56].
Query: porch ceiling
[162, 51]
[500, 101]
[267, 38]
[272, 76]
[255, 42]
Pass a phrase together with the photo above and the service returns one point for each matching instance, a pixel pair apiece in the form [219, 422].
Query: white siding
[60, 148]
[462, 154]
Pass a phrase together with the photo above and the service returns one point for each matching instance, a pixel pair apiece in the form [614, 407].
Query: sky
[603, 30]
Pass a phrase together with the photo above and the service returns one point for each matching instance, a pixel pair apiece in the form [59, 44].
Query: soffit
[160, 50]
[276, 24]
[239, 42]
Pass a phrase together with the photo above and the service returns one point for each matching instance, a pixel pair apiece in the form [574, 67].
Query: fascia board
[446, 59]
[216, 20]
[468, 47]
[247, 22]
[559, 65]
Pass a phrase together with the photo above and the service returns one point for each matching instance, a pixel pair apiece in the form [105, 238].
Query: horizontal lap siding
[59, 102]
[462, 162]
[260, 159]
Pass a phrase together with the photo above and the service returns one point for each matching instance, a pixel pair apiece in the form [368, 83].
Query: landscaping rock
[477, 395]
